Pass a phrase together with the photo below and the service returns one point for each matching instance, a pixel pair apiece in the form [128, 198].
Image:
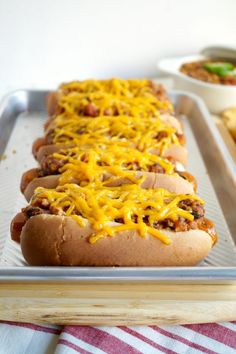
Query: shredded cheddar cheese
[139, 209]
[105, 163]
[140, 133]
[114, 94]
[108, 104]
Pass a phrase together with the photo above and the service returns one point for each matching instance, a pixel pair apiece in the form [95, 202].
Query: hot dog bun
[172, 183]
[52, 102]
[59, 241]
[176, 152]
[46, 182]
[172, 121]
[168, 119]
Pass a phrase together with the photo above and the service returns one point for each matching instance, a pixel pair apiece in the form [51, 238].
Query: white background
[44, 42]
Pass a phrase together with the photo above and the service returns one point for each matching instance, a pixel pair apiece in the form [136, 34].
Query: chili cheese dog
[109, 97]
[173, 153]
[70, 215]
[148, 180]
[101, 163]
[144, 134]
[125, 225]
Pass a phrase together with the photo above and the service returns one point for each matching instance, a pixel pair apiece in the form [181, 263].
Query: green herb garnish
[220, 69]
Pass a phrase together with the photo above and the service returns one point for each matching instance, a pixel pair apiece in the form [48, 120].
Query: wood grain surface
[117, 303]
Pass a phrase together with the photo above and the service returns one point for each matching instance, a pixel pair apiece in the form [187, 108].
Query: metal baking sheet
[22, 115]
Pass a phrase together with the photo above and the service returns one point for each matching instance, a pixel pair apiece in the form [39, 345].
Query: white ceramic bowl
[217, 97]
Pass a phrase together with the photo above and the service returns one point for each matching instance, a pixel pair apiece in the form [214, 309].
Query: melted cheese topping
[139, 208]
[108, 104]
[140, 133]
[121, 87]
[93, 164]
[117, 87]
[131, 97]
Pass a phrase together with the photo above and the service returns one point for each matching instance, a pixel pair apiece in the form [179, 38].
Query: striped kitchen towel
[26, 338]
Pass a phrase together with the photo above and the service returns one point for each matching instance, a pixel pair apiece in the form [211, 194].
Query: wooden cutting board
[90, 303]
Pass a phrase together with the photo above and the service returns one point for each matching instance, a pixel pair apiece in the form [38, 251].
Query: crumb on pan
[3, 157]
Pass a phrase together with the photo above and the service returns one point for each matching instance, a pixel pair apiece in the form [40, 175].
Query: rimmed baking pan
[22, 114]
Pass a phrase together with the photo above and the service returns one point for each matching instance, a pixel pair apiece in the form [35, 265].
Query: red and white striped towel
[25, 338]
